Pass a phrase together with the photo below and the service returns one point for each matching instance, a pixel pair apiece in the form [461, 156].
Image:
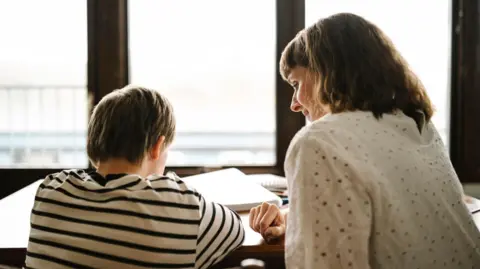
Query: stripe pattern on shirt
[130, 222]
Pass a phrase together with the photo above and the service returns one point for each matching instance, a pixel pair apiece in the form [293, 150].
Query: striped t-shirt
[83, 220]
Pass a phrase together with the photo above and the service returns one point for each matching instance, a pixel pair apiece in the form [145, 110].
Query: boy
[124, 214]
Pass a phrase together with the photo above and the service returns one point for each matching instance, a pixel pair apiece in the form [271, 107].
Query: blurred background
[214, 59]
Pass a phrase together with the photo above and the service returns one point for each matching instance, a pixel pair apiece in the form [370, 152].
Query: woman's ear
[158, 148]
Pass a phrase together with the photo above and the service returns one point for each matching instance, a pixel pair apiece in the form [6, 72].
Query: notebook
[231, 188]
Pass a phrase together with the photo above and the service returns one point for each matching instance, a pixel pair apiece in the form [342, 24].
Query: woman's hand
[268, 220]
[468, 199]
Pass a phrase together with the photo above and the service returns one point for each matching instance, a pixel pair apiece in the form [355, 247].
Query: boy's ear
[157, 149]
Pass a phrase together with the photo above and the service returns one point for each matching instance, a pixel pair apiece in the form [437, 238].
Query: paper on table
[231, 188]
[269, 181]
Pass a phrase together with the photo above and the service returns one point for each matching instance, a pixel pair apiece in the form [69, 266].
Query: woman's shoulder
[317, 135]
[337, 132]
[331, 126]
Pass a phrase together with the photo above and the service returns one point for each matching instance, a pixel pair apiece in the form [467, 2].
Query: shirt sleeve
[221, 231]
[330, 211]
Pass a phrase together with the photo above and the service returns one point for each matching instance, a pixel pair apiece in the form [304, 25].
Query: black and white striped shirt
[83, 220]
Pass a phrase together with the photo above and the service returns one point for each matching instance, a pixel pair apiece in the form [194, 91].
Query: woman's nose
[295, 105]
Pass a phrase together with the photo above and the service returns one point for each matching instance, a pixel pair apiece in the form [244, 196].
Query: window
[240, 116]
[43, 96]
[231, 51]
[215, 60]
[421, 31]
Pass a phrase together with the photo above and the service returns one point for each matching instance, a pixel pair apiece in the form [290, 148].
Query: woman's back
[380, 185]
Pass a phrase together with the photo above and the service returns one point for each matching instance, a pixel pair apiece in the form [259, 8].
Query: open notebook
[232, 188]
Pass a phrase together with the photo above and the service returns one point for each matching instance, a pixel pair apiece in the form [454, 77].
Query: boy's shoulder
[171, 183]
[62, 176]
[78, 182]
[81, 189]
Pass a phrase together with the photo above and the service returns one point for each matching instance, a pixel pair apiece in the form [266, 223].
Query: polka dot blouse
[368, 193]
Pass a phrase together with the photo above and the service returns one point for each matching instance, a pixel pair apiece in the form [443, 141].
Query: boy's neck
[120, 166]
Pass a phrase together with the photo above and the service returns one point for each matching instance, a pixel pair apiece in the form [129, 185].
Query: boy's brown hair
[127, 123]
[358, 68]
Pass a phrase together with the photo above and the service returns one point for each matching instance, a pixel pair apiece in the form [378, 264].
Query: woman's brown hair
[358, 68]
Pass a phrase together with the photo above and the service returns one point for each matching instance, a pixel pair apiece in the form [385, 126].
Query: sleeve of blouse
[329, 207]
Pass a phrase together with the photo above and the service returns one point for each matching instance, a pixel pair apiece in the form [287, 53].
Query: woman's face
[305, 97]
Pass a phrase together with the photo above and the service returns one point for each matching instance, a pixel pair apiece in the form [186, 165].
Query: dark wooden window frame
[108, 70]
[465, 90]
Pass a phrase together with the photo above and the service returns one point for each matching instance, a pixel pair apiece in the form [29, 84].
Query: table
[15, 228]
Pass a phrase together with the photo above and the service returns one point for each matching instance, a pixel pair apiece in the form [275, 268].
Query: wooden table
[15, 228]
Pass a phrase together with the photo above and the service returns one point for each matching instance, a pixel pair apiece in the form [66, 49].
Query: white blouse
[368, 193]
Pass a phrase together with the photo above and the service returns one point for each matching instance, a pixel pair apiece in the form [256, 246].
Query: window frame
[465, 90]
[108, 69]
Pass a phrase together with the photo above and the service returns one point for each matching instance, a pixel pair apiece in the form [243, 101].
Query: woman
[370, 181]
